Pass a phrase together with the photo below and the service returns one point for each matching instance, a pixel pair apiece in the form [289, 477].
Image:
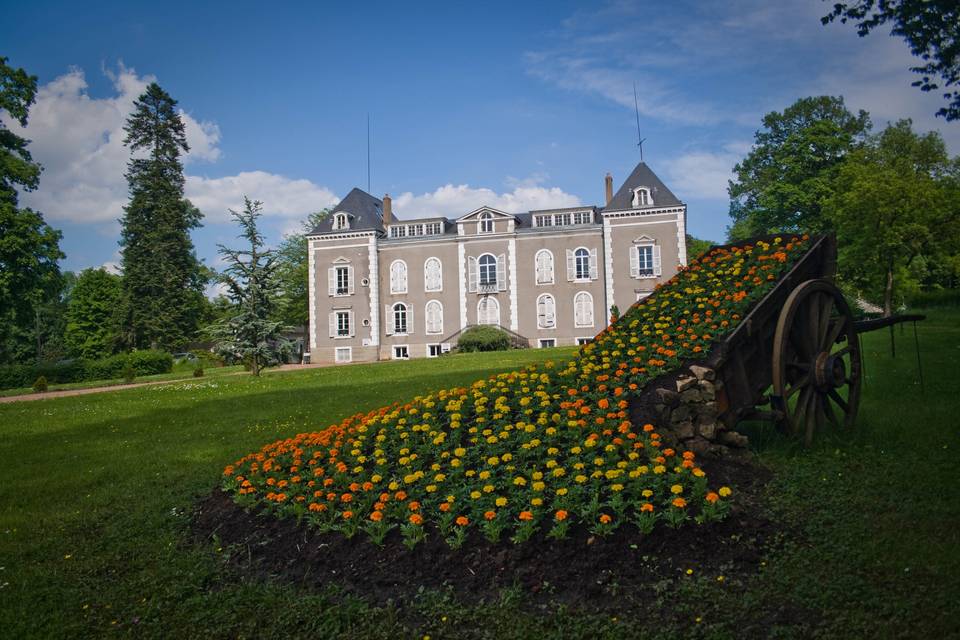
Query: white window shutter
[656, 261]
[411, 323]
[388, 320]
[501, 272]
[472, 274]
[594, 270]
[332, 281]
[333, 324]
[350, 280]
[353, 331]
[634, 262]
[571, 266]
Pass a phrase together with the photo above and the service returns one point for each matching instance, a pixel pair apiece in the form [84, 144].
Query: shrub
[151, 362]
[40, 385]
[144, 363]
[198, 372]
[483, 338]
[129, 373]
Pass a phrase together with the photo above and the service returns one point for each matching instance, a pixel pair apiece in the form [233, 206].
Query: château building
[385, 288]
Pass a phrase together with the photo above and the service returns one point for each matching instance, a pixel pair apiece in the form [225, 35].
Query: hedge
[144, 363]
[483, 338]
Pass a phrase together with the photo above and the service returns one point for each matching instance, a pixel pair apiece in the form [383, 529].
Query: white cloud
[79, 141]
[282, 197]
[456, 200]
[704, 174]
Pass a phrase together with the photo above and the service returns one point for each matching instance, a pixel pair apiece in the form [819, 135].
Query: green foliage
[142, 363]
[293, 275]
[250, 334]
[17, 168]
[896, 201]
[930, 28]
[483, 338]
[697, 247]
[40, 385]
[198, 372]
[783, 182]
[91, 330]
[162, 279]
[128, 373]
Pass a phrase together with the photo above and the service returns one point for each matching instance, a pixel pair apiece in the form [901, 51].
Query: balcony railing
[490, 287]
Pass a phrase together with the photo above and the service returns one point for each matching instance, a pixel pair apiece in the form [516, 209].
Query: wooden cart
[796, 358]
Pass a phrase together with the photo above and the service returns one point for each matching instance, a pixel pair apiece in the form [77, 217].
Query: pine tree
[254, 287]
[161, 274]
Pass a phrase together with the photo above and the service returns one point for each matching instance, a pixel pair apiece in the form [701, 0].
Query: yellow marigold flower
[646, 493]
[659, 469]
[559, 472]
[562, 491]
[519, 481]
[488, 488]
[507, 457]
[538, 486]
[676, 489]
[725, 492]
[536, 475]
[493, 461]
[536, 502]
[475, 494]
[616, 487]
[459, 452]
[501, 502]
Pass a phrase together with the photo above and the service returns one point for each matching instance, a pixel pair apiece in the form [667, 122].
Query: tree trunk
[255, 369]
[888, 293]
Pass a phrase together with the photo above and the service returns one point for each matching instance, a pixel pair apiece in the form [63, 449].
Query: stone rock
[668, 397]
[703, 373]
[684, 430]
[691, 396]
[734, 439]
[708, 430]
[707, 411]
[707, 390]
[680, 414]
[699, 446]
[687, 382]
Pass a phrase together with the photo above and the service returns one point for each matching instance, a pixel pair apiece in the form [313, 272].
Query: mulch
[601, 573]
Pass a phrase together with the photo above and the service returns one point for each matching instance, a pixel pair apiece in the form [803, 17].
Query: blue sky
[516, 105]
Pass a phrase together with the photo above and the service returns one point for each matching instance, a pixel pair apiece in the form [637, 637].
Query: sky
[515, 105]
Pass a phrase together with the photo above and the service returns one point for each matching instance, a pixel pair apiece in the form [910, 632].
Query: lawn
[96, 493]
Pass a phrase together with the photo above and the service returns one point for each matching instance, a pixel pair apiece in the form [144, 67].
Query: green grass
[95, 493]
[180, 371]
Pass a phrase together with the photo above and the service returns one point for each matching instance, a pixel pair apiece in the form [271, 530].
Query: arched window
[398, 277]
[488, 269]
[546, 312]
[432, 275]
[641, 197]
[486, 222]
[340, 221]
[488, 311]
[583, 310]
[544, 265]
[400, 318]
[581, 259]
[434, 317]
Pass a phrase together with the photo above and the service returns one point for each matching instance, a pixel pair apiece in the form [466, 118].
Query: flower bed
[543, 448]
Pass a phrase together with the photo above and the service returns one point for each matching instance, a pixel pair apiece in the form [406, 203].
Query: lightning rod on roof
[368, 153]
[636, 106]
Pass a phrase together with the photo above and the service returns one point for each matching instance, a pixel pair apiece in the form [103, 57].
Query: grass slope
[95, 493]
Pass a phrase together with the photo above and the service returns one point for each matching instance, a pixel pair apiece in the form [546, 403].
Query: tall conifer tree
[161, 275]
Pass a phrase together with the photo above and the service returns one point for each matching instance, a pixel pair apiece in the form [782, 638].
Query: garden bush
[40, 385]
[483, 338]
[144, 363]
[542, 449]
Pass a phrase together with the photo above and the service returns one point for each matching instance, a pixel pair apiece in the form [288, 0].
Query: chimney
[387, 210]
[609, 185]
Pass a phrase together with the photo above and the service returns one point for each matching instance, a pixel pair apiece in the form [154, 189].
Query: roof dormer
[341, 221]
[642, 197]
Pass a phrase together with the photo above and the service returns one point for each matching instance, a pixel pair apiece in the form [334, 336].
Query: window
[582, 217]
[398, 277]
[563, 220]
[583, 310]
[488, 311]
[343, 354]
[434, 317]
[416, 230]
[432, 275]
[434, 350]
[547, 342]
[343, 324]
[582, 262]
[486, 222]
[643, 295]
[401, 352]
[400, 318]
[583, 341]
[340, 279]
[398, 231]
[641, 197]
[488, 269]
[544, 221]
[645, 260]
[544, 264]
[546, 312]
[433, 228]
[340, 221]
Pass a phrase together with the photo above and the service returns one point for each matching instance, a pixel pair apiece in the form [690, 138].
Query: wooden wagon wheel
[816, 360]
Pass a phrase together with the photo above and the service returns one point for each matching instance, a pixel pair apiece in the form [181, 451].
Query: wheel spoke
[803, 366]
[803, 409]
[839, 325]
[815, 423]
[797, 386]
[831, 415]
[839, 400]
[842, 352]
[812, 328]
[826, 309]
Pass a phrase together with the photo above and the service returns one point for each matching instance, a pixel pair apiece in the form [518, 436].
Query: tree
[29, 247]
[697, 247]
[895, 202]
[91, 331]
[293, 273]
[782, 183]
[251, 279]
[161, 275]
[931, 29]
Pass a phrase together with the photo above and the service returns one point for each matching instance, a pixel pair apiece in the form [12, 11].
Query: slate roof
[642, 176]
[366, 210]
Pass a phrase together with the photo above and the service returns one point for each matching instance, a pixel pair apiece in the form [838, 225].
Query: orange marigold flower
[444, 506]
[416, 518]
[490, 515]
[526, 515]
[646, 507]
[400, 495]
[414, 506]
[347, 515]
[605, 519]
[560, 515]
[648, 428]
[376, 516]
[346, 497]
[462, 520]
[712, 497]
[679, 502]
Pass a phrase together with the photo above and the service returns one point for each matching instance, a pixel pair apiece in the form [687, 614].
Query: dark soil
[597, 572]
